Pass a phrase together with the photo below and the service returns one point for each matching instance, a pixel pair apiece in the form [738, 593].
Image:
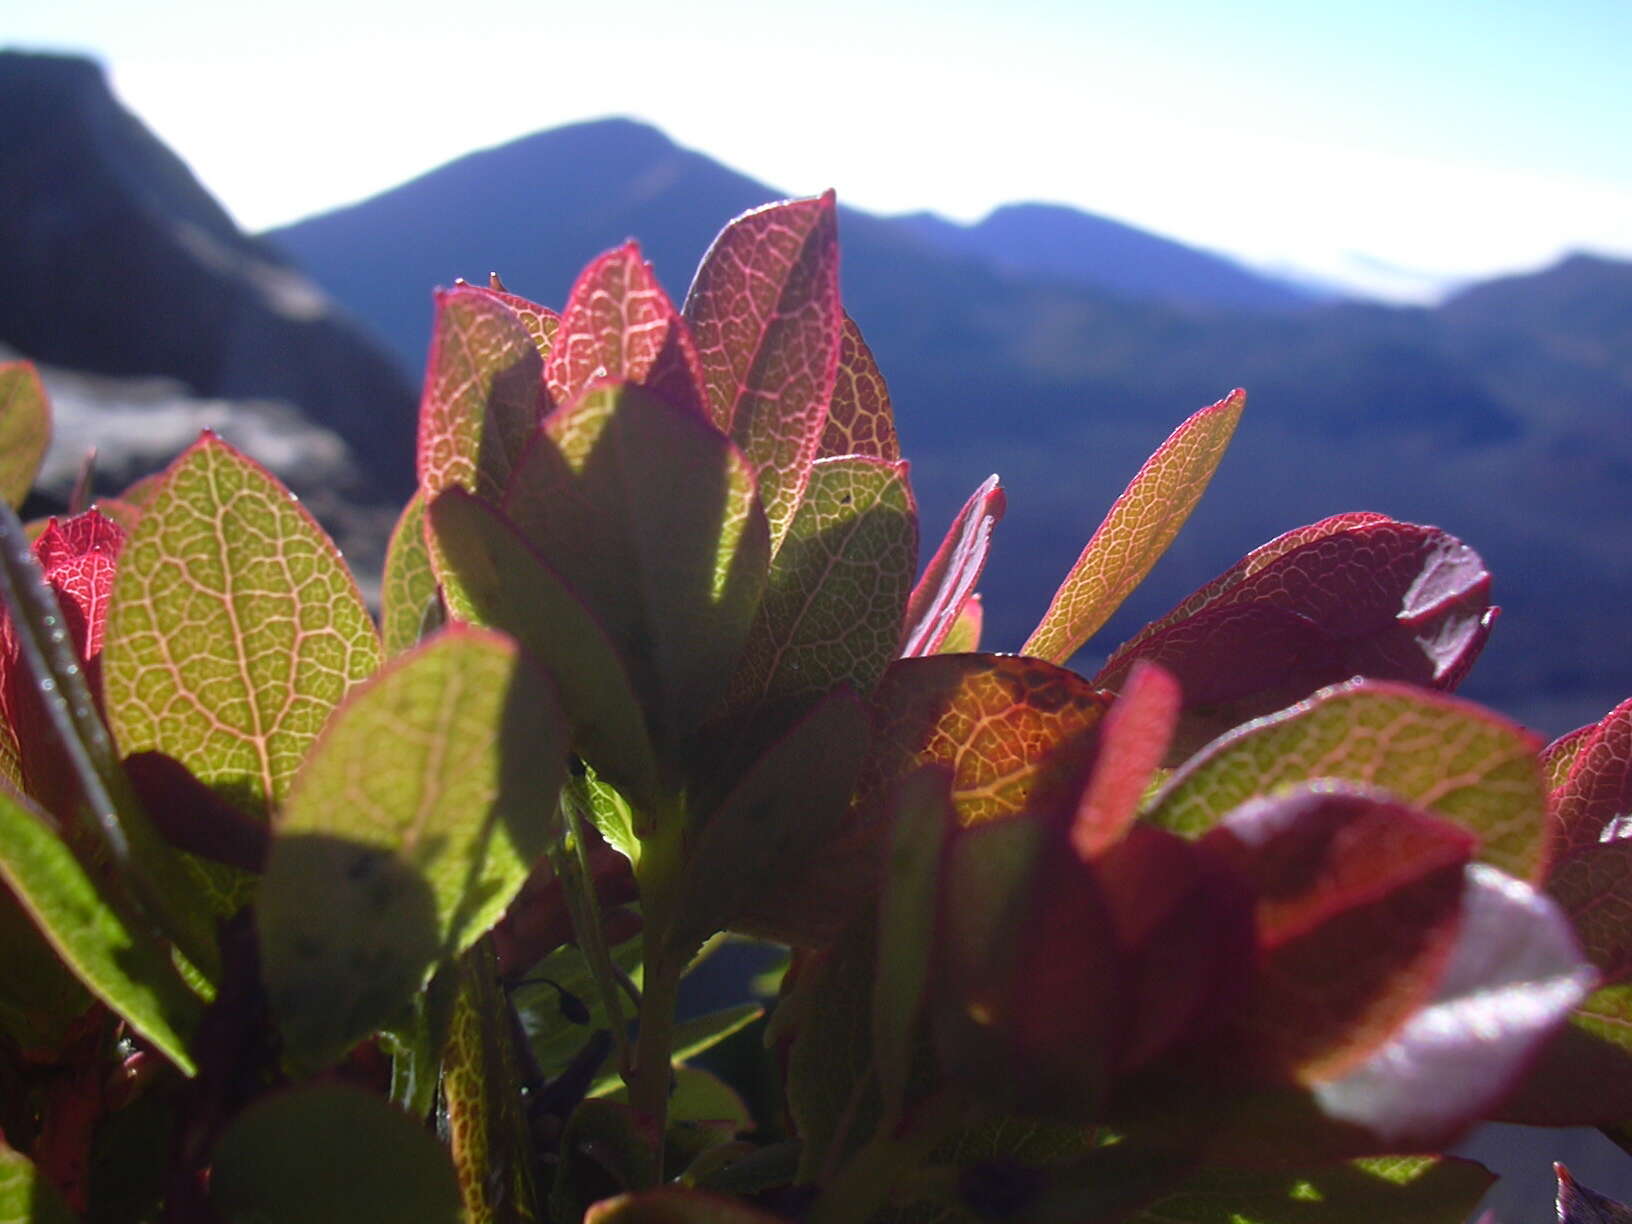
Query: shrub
[315, 918]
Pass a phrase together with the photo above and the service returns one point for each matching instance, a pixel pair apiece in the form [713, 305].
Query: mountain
[1004, 352]
[1054, 243]
[118, 262]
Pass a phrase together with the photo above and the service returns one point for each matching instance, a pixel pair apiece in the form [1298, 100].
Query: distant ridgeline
[1050, 346]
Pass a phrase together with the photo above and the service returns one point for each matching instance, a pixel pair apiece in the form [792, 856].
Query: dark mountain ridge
[118, 262]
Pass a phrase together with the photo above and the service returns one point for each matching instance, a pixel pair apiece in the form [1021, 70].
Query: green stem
[571, 862]
[864, 1184]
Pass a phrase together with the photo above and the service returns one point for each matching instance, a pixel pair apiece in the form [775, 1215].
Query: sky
[1397, 146]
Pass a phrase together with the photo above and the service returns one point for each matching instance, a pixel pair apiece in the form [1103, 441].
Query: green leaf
[837, 590]
[408, 584]
[330, 1154]
[39, 997]
[964, 636]
[490, 576]
[1448, 756]
[484, 391]
[764, 309]
[551, 1036]
[121, 964]
[539, 322]
[859, 418]
[1137, 530]
[25, 1196]
[151, 886]
[688, 1039]
[1398, 1189]
[605, 1146]
[611, 815]
[487, 1132]
[234, 628]
[651, 517]
[384, 863]
[25, 429]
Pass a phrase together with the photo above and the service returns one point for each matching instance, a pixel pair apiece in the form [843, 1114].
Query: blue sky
[1394, 145]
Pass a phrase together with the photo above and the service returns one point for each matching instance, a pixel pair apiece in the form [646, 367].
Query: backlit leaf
[1558, 758]
[1134, 739]
[487, 1132]
[384, 863]
[1594, 886]
[1435, 752]
[1381, 599]
[964, 636]
[492, 577]
[1137, 530]
[484, 393]
[859, 419]
[25, 429]
[540, 322]
[619, 324]
[1016, 732]
[331, 1154]
[651, 517]
[764, 309]
[234, 628]
[1400, 1190]
[831, 612]
[122, 965]
[408, 584]
[1597, 791]
[948, 582]
[26, 1197]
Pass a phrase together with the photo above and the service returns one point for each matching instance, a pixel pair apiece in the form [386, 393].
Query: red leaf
[765, 311]
[1594, 886]
[1579, 1205]
[948, 582]
[859, 418]
[1134, 740]
[1364, 597]
[1358, 905]
[1598, 787]
[620, 324]
[540, 322]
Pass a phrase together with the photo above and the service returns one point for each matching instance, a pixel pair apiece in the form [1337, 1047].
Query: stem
[571, 862]
[649, 1078]
[864, 1184]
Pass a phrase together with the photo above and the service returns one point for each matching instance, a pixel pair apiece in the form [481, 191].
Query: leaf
[676, 1205]
[25, 429]
[619, 324]
[650, 516]
[1514, 977]
[1594, 887]
[1583, 1076]
[923, 816]
[1136, 733]
[1597, 790]
[692, 1037]
[1136, 531]
[1016, 732]
[540, 322]
[1448, 756]
[764, 308]
[39, 997]
[762, 837]
[948, 582]
[859, 418]
[831, 612]
[234, 628]
[1558, 758]
[484, 393]
[491, 576]
[149, 885]
[1579, 1205]
[552, 1038]
[1396, 1189]
[487, 1133]
[408, 584]
[1359, 905]
[1386, 600]
[605, 1147]
[26, 1197]
[964, 636]
[384, 864]
[331, 1154]
[121, 964]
